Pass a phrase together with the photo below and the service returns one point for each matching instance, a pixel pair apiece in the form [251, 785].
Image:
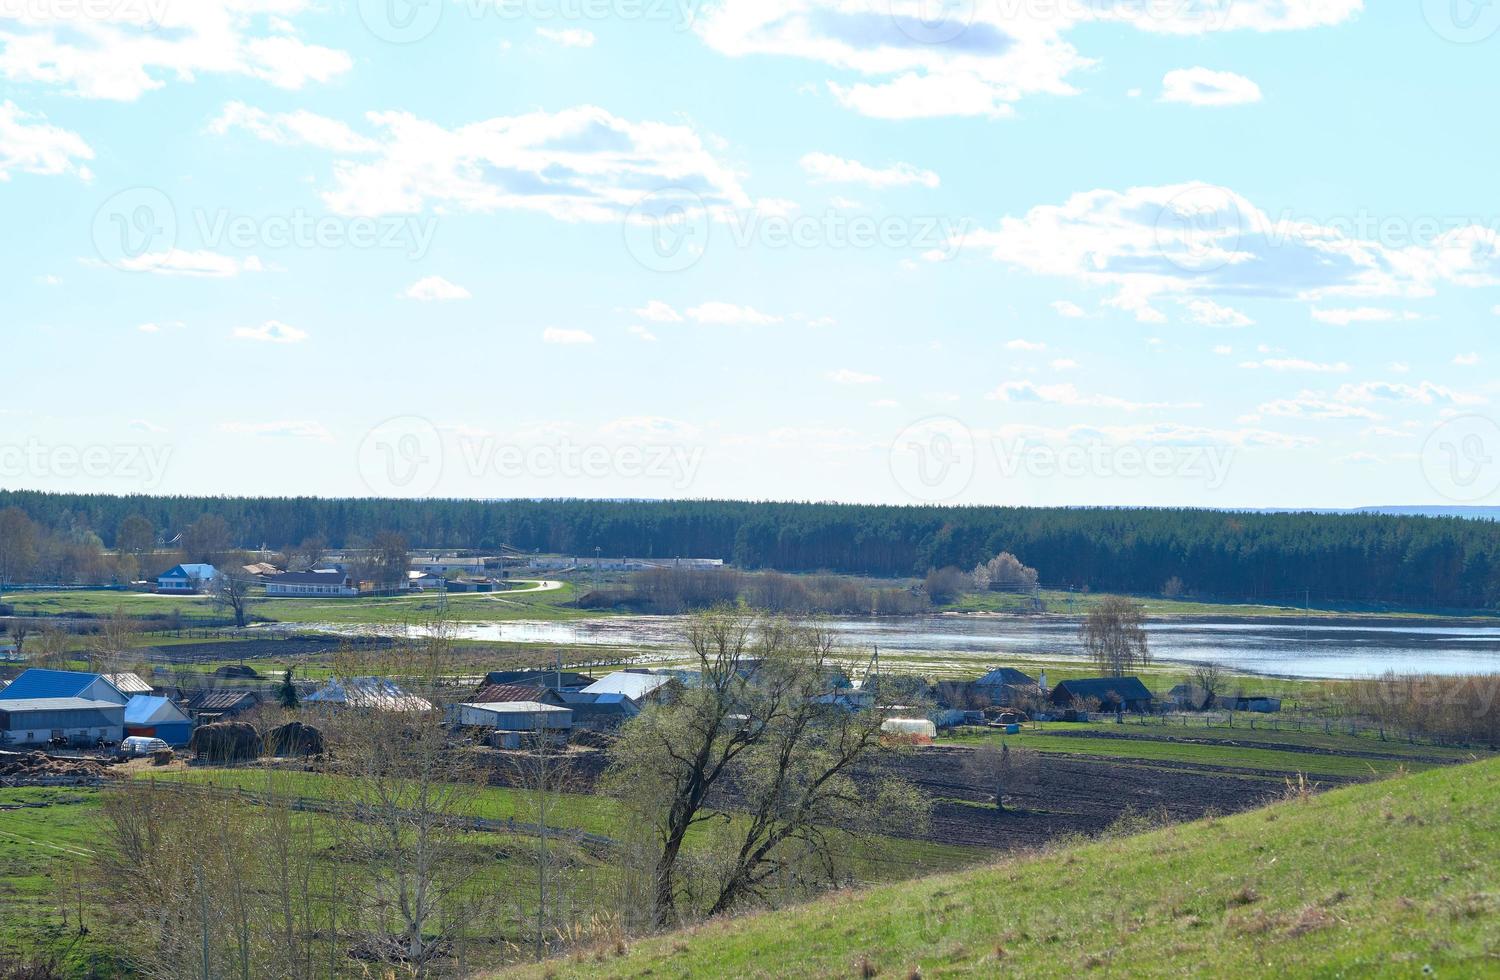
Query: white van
[143, 745]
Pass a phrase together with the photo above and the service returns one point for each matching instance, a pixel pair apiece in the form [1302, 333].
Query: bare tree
[1114, 635]
[18, 544]
[762, 726]
[544, 773]
[1003, 770]
[1208, 678]
[231, 592]
[412, 877]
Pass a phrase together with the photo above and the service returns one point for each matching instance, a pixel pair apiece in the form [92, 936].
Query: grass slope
[1395, 878]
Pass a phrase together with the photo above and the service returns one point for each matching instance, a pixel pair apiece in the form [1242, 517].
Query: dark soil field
[1072, 795]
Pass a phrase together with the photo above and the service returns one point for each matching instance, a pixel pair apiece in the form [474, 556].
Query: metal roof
[14, 705]
[517, 707]
[628, 683]
[129, 683]
[38, 682]
[144, 710]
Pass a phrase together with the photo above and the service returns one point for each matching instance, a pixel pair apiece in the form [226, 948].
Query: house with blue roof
[187, 579]
[158, 717]
[38, 683]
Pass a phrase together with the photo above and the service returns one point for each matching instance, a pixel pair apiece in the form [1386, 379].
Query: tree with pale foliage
[1004, 572]
[1114, 636]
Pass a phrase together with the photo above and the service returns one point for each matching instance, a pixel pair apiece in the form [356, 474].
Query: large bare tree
[1114, 636]
[761, 731]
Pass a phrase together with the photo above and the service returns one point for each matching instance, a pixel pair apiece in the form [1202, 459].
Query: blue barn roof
[39, 683]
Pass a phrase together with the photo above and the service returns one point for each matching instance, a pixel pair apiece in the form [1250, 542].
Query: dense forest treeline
[1439, 562]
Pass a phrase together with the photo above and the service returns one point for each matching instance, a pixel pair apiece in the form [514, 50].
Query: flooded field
[966, 643]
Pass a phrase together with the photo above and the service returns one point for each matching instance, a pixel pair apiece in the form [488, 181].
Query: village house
[187, 579]
[325, 583]
[1111, 693]
[220, 704]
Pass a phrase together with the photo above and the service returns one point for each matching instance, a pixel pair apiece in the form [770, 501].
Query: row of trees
[1411, 560]
[672, 590]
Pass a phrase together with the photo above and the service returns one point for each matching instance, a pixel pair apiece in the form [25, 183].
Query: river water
[1290, 649]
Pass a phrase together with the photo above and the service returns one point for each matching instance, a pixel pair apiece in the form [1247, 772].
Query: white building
[323, 582]
[187, 579]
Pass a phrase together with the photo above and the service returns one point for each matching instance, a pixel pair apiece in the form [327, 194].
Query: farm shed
[1242, 702]
[215, 705]
[539, 678]
[599, 711]
[511, 716]
[1112, 693]
[157, 717]
[82, 721]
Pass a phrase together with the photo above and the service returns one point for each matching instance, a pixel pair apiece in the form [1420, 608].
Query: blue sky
[1175, 252]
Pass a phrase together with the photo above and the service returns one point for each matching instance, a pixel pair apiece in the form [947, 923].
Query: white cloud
[579, 164]
[1066, 308]
[1211, 314]
[297, 429]
[1223, 350]
[572, 37]
[1068, 394]
[1064, 364]
[827, 168]
[272, 332]
[968, 59]
[658, 312]
[1203, 87]
[200, 263]
[149, 328]
[121, 50]
[561, 335]
[844, 376]
[641, 333]
[146, 425]
[1355, 400]
[1467, 360]
[1363, 314]
[435, 289]
[1296, 364]
[1027, 345]
[292, 129]
[717, 313]
[1197, 240]
[50, 280]
[28, 145]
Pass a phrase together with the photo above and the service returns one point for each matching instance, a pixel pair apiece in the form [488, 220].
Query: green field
[885, 859]
[1394, 878]
[525, 602]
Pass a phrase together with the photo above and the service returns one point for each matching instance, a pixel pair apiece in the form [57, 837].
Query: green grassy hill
[1396, 878]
